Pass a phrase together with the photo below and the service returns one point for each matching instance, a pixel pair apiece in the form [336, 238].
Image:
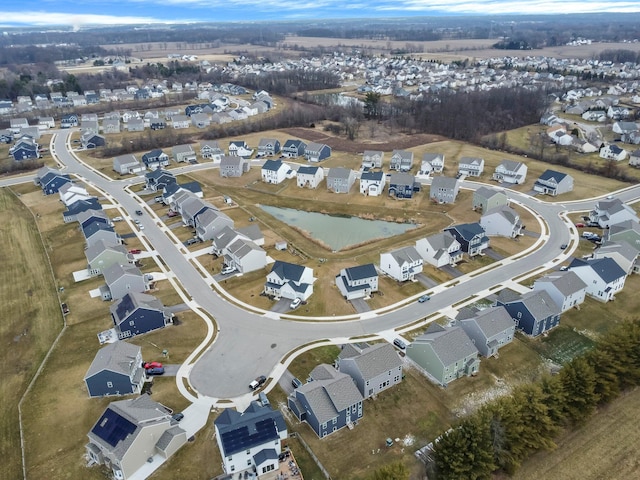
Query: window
[335, 420]
[110, 384]
[249, 463]
[248, 452]
[132, 323]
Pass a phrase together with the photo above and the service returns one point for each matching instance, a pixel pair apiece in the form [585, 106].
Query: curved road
[253, 343]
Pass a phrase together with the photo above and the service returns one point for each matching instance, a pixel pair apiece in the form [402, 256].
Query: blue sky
[108, 12]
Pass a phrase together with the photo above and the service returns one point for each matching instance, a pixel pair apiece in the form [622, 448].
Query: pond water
[337, 232]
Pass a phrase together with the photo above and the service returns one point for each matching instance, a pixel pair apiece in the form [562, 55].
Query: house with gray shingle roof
[328, 402]
[288, 280]
[183, 153]
[210, 221]
[503, 221]
[316, 152]
[357, 282]
[121, 280]
[309, 177]
[374, 368]
[340, 180]
[431, 162]
[611, 211]
[444, 189]
[445, 353]
[211, 150]
[624, 254]
[485, 198]
[565, 288]
[372, 158]
[534, 312]
[372, 183]
[440, 249]
[510, 171]
[489, 329]
[138, 313]
[233, 166]
[551, 182]
[116, 370]
[603, 276]
[401, 160]
[268, 147]
[627, 231]
[402, 264]
[471, 166]
[101, 255]
[126, 164]
[131, 431]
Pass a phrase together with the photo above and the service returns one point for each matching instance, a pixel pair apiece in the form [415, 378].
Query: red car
[135, 251]
[580, 225]
[149, 365]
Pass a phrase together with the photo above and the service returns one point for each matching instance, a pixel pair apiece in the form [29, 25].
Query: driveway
[285, 382]
[491, 253]
[181, 307]
[426, 281]
[453, 271]
[361, 305]
[529, 233]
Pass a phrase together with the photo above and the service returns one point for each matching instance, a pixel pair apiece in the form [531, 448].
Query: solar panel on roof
[244, 437]
[112, 428]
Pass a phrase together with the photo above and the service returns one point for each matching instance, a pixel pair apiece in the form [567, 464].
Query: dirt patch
[399, 142]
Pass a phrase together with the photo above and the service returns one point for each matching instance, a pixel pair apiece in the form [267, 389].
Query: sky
[78, 13]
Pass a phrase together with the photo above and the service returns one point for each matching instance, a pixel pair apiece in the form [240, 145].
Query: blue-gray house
[328, 402]
[138, 313]
[115, 370]
[471, 236]
[52, 181]
[79, 206]
[402, 185]
[534, 312]
[294, 148]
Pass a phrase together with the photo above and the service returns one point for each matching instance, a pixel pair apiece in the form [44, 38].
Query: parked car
[228, 269]
[580, 225]
[141, 227]
[424, 298]
[155, 371]
[254, 385]
[65, 308]
[158, 199]
[149, 365]
[117, 219]
[295, 383]
[190, 241]
[563, 246]
[177, 416]
[135, 251]
[295, 304]
[400, 344]
[138, 212]
[171, 213]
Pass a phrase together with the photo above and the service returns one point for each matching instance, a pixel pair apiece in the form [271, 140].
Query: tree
[393, 471]
[579, 380]
[465, 452]
[371, 105]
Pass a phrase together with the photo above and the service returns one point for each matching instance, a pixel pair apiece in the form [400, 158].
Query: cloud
[40, 18]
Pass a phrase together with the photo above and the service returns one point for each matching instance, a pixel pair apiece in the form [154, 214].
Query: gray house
[611, 211]
[126, 164]
[233, 166]
[357, 282]
[553, 183]
[267, 147]
[484, 199]
[211, 150]
[210, 221]
[183, 153]
[129, 432]
[401, 160]
[444, 189]
[372, 158]
[115, 370]
[121, 280]
[445, 353]
[101, 255]
[535, 312]
[489, 329]
[340, 180]
[328, 402]
[503, 221]
[566, 289]
[373, 367]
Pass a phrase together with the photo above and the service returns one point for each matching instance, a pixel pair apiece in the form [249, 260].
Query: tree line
[504, 433]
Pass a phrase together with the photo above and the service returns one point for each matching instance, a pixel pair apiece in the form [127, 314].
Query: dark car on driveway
[177, 416]
[155, 371]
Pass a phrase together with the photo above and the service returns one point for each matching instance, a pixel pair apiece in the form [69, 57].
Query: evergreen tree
[579, 380]
[555, 398]
[393, 471]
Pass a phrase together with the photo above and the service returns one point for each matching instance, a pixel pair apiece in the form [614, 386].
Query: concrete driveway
[426, 281]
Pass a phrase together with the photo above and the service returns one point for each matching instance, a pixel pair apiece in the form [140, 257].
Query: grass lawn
[32, 318]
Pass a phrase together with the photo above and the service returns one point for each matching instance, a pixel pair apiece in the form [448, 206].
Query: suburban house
[274, 171]
[183, 153]
[239, 148]
[155, 159]
[402, 264]
[431, 163]
[357, 282]
[489, 329]
[79, 206]
[101, 255]
[509, 171]
[72, 192]
[603, 276]
[135, 125]
[294, 148]
[444, 189]
[626, 231]
[288, 280]
[340, 180]
[634, 158]
[534, 312]
[316, 152]
[201, 120]
[156, 180]
[233, 166]
[180, 122]
[503, 221]
[129, 432]
[250, 440]
[622, 127]
[565, 288]
[210, 221]
[309, 177]
[372, 159]
[25, 148]
[553, 183]
[328, 402]
[268, 147]
[471, 236]
[444, 353]
[613, 152]
[611, 211]
[121, 280]
[211, 150]
[401, 160]
[191, 208]
[116, 370]
[95, 231]
[111, 125]
[372, 183]
[440, 249]
[69, 120]
[403, 185]
[91, 139]
[127, 164]
[137, 313]
[17, 124]
[374, 368]
[471, 166]
[485, 199]
[624, 254]
[244, 255]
